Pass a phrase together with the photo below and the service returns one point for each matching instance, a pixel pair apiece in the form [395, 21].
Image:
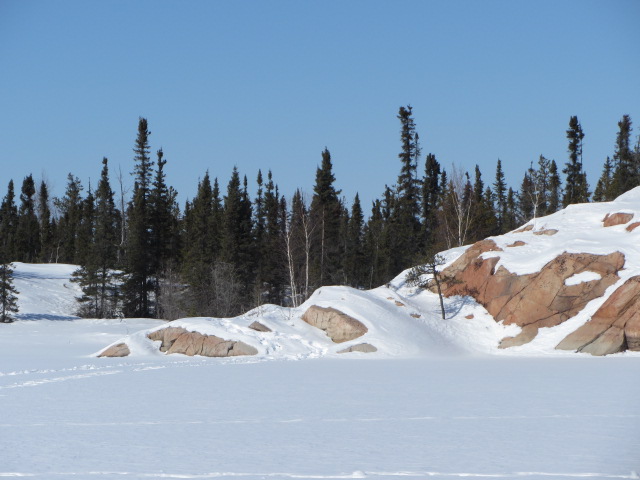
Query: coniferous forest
[142, 254]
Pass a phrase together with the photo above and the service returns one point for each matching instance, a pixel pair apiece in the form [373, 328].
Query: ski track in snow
[263, 421]
[356, 474]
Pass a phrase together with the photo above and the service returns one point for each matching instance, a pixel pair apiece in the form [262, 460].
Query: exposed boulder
[179, 340]
[361, 347]
[632, 226]
[167, 336]
[530, 301]
[614, 327]
[526, 228]
[548, 232]
[258, 327]
[517, 243]
[119, 350]
[618, 218]
[339, 326]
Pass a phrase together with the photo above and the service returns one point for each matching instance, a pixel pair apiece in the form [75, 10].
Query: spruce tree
[8, 224]
[84, 237]
[577, 188]
[273, 248]
[96, 276]
[28, 229]
[430, 199]
[201, 247]
[626, 174]
[354, 255]
[406, 213]
[8, 299]
[138, 274]
[555, 186]
[374, 247]
[500, 194]
[46, 228]
[325, 215]
[604, 188]
[70, 214]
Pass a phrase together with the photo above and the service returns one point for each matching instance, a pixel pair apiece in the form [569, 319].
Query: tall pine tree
[576, 186]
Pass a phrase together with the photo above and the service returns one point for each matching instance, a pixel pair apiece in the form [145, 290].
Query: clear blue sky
[268, 85]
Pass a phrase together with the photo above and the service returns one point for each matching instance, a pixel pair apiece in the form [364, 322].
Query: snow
[582, 277]
[437, 400]
[67, 414]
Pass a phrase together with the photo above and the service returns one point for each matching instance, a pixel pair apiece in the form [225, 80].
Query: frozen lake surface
[66, 414]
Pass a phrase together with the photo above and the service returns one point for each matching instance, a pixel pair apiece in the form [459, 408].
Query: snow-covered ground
[66, 414]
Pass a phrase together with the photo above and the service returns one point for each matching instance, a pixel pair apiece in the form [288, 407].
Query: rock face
[632, 226]
[119, 350]
[530, 301]
[258, 327]
[361, 347]
[179, 340]
[339, 326]
[619, 218]
[614, 327]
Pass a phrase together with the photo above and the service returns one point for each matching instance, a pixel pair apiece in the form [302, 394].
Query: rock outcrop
[339, 326]
[361, 347]
[530, 301]
[179, 340]
[258, 327]
[614, 327]
[119, 350]
[619, 218]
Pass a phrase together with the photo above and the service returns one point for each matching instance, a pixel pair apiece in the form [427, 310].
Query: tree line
[141, 255]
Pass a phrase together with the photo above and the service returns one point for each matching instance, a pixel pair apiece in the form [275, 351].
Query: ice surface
[65, 414]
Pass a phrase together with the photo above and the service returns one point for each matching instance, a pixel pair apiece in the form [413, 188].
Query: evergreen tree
[374, 247]
[604, 188]
[138, 282]
[8, 299]
[202, 247]
[164, 225]
[543, 181]
[500, 194]
[406, 213]
[8, 224]
[70, 214]
[273, 248]
[430, 199]
[84, 237]
[354, 255]
[325, 215]
[483, 217]
[96, 276]
[28, 229]
[511, 218]
[626, 174]
[46, 229]
[577, 188]
[554, 188]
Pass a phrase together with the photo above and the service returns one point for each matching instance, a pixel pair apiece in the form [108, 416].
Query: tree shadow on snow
[44, 316]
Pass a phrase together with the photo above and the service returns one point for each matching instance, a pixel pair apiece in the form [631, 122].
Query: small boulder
[618, 218]
[517, 243]
[338, 325]
[361, 347]
[416, 315]
[258, 327]
[631, 227]
[526, 228]
[548, 232]
[119, 350]
[399, 304]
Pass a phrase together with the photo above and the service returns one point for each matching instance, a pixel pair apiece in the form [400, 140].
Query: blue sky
[269, 84]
